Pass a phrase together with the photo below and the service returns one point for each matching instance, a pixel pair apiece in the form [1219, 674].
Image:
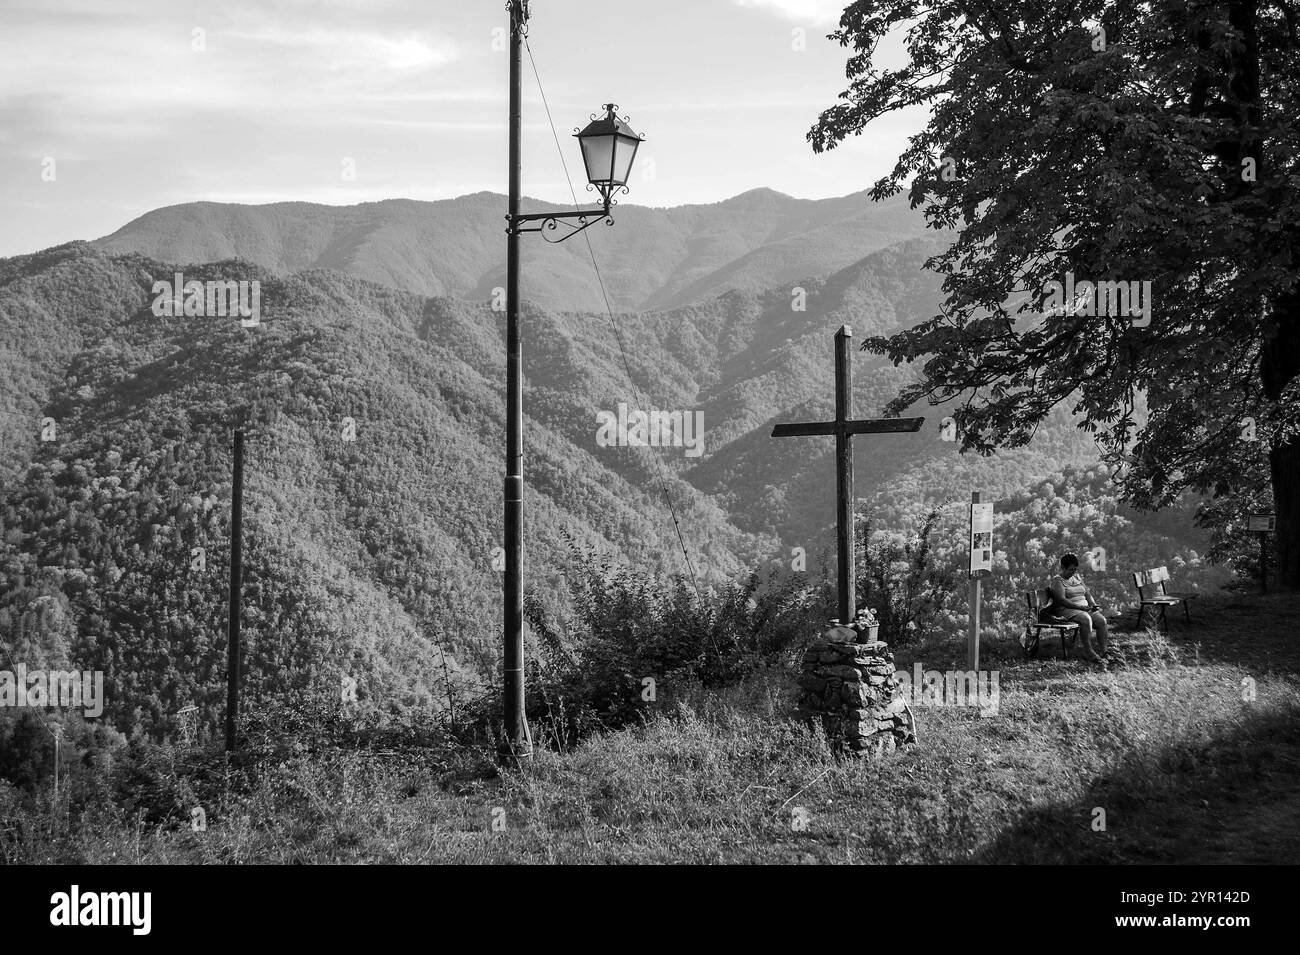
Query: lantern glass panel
[624, 151]
[597, 156]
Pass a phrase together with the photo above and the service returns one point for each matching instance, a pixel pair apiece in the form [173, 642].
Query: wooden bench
[1151, 590]
[1038, 601]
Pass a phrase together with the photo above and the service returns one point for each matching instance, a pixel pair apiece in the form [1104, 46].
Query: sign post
[1263, 524]
[981, 566]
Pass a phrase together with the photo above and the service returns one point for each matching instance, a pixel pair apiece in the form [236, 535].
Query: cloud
[803, 11]
[344, 48]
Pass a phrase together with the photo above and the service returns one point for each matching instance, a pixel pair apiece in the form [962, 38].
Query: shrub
[902, 579]
[594, 662]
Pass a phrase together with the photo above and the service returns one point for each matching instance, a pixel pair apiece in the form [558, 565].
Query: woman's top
[1071, 591]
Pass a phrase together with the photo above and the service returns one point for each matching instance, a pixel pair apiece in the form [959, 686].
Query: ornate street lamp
[608, 147]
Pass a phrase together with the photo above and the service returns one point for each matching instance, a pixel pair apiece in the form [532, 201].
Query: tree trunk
[1285, 466]
[1279, 358]
[1279, 364]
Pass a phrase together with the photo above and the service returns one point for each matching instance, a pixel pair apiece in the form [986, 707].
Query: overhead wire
[627, 369]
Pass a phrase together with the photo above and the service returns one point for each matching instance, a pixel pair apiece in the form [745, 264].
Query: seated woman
[1071, 601]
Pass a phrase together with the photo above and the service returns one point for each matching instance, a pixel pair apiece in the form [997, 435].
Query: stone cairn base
[850, 687]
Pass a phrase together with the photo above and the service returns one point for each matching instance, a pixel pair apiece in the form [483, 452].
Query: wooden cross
[844, 427]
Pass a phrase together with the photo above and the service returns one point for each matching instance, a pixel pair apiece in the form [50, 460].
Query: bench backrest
[1155, 577]
[1037, 600]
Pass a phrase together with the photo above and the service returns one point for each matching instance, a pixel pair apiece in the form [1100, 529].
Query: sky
[111, 108]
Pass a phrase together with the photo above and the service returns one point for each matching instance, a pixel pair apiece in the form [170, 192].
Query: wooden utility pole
[516, 742]
[973, 638]
[844, 427]
[236, 578]
[57, 732]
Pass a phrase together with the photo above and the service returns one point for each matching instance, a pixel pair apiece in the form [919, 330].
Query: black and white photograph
[700, 432]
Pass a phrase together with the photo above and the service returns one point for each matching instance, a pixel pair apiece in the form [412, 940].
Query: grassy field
[1161, 739]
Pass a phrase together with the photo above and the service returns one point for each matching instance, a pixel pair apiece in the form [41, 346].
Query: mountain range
[650, 259]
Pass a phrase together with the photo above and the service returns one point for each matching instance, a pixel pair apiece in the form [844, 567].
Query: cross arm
[861, 426]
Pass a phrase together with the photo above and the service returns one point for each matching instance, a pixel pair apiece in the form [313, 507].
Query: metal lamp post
[608, 148]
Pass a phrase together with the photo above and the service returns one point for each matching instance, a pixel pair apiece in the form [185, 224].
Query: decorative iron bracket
[548, 222]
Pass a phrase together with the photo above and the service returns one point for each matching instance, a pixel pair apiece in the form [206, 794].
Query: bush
[902, 579]
[628, 638]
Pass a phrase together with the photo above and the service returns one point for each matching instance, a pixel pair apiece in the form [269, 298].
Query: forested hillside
[370, 557]
[373, 473]
[917, 550]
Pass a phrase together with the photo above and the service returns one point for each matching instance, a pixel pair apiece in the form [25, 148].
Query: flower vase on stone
[867, 626]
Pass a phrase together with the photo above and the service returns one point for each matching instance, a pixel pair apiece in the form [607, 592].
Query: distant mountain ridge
[650, 259]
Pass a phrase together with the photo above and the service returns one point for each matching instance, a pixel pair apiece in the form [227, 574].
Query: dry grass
[1185, 770]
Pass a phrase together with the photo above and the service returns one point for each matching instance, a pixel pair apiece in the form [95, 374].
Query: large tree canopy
[1134, 142]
